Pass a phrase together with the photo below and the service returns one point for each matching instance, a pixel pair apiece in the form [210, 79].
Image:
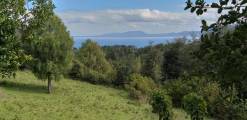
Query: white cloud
[152, 21]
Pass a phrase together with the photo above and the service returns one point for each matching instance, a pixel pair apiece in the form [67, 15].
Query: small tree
[46, 39]
[195, 106]
[93, 64]
[162, 105]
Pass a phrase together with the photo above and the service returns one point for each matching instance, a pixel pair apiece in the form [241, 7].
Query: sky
[96, 17]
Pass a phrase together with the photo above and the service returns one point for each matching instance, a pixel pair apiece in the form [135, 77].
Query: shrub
[195, 105]
[91, 65]
[76, 70]
[210, 92]
[81, 72]
[136, 94]
[162, 105]
[226, 110]
[238, 110]
[177, 89]
[139, 86]
[123, 70]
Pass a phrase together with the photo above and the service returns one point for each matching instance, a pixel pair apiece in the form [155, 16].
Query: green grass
[26, 98]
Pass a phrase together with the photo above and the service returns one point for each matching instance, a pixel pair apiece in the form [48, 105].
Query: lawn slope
[26, 98]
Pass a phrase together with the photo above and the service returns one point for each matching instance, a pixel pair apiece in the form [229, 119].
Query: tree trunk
[49, 85]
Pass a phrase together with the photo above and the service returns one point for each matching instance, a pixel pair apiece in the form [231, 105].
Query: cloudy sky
[95, 17]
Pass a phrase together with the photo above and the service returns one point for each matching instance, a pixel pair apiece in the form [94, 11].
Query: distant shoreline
[90, 37]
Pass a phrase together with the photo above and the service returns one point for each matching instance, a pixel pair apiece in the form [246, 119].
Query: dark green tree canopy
[52, 54]
[226, 58]
[151, 63]
[162, 105]
[11, 55]
[46, 39]
[173, 63]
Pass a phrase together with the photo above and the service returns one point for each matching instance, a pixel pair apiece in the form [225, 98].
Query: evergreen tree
[152, 62]
[49, 43]
[172, 66]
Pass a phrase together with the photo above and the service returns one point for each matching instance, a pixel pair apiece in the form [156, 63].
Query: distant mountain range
[143, 34]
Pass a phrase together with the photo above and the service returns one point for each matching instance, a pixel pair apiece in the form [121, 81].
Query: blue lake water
[138, 42]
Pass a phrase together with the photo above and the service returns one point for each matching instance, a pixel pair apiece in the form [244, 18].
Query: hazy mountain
[143, 34]
[125, 34]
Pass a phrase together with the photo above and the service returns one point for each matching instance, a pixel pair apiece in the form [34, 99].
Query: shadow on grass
[21, 87]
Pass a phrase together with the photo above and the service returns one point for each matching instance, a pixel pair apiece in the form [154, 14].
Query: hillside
[25, 98]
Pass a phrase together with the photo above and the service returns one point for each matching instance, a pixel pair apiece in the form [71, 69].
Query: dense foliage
[179, 59]
[223, 54]
[52, 54]
[195, 105]
[162, 105]
[125, 60]
[152, 63]
[140, 87]
[92, 65]
[46, 39]
[11, 54]
[226, 56]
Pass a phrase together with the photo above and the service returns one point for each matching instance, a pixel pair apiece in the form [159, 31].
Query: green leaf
[193, 9]
[220, 10]
[215, 5]
[223, 2]
[189, 3]
[199, 12]
[199, 2]
[186, 8]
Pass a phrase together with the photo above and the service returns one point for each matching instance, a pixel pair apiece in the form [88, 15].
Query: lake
[136, 41]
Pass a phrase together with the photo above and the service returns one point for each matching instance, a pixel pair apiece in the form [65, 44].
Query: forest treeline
[205, 76]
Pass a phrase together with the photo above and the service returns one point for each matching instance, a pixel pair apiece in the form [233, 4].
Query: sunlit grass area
[26, 98]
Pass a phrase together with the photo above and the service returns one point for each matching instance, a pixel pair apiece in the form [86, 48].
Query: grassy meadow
[26, 98]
